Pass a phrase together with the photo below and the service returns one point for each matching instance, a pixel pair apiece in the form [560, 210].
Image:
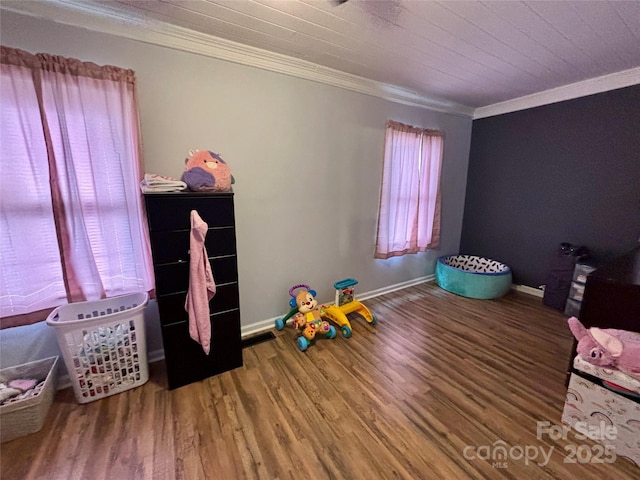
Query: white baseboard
[393, 288]
[264, 325]
[536, 292]
[155, 356]
[269, 323]
[63, 382]
[259, 327]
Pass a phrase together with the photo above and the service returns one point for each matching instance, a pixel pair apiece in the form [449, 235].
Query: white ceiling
[464, 56]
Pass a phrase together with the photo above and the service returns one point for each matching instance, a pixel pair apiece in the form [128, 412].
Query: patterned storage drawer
[581, 271]
[588, 401]
[572, 308]
[576, 291]
[169, 216]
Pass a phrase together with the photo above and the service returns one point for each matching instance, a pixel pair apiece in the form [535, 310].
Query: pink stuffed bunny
[608, 347]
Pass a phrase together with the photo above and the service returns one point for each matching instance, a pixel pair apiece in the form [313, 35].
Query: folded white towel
[159, 188]
[153, 182]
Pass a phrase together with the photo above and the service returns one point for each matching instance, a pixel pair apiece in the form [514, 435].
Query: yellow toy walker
[346, 303]
[309, 318]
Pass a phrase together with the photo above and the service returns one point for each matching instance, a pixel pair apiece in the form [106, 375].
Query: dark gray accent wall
[565, 172]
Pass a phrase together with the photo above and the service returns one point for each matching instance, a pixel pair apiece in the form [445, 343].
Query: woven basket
[26, 416]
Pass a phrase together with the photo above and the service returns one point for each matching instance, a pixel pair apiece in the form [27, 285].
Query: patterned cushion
[472, 263]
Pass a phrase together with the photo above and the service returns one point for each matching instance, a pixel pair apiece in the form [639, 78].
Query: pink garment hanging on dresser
[202, 286]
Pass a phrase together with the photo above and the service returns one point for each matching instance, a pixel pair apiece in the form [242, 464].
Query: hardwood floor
[423, 394]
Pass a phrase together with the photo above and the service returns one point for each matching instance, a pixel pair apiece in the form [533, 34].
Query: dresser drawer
[186, 361]
[173, 211]
[174, 277]
[173, 246]
[172, 310]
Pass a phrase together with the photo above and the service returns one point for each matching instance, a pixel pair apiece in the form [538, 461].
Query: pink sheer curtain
[73, 225]
[409, 213]
[429, 201]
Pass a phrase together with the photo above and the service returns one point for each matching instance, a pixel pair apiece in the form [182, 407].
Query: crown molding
[107, 18]
[592, 86]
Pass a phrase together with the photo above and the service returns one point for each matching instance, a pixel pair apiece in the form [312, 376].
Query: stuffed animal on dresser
[206, 171]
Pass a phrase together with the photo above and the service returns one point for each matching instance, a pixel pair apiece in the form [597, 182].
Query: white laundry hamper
[103, 344]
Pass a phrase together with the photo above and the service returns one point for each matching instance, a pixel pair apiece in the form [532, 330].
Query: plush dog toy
[608, 347]
[206, 171]
[309, 317]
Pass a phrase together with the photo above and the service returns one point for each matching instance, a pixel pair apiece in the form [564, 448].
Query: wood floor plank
[419, 395]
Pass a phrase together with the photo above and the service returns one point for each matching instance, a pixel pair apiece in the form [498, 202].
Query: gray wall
[566, 172]
[307, 159]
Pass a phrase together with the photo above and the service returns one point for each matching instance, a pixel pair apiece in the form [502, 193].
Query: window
[409, 214]
[72, 225]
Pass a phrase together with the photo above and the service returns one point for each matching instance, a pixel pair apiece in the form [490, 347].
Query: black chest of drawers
[612, 294]
[169, 218]
[612, 297]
